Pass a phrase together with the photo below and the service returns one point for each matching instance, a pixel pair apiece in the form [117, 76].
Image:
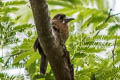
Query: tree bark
[55, 53]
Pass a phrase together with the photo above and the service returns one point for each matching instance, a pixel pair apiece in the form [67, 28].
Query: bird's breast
[62, 29]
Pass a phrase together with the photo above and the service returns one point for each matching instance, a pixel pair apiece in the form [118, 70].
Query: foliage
[91, 34]
[10, 28]
[6, 77]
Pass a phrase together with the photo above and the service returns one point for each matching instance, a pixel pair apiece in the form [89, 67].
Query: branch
[60, 64]
[109, 16]
[9, 56]
[113, 51]
[93, 77]
[115, 14]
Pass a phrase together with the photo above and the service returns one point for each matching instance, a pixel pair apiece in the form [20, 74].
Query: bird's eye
[61, 17]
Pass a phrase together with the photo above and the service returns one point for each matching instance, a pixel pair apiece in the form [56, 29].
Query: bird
[60, 26]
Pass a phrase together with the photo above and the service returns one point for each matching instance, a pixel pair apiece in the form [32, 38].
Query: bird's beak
[66, 20]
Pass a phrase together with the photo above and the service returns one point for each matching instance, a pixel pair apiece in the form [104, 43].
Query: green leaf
[32, 59]
[8, 9]
[60, 3]
[80, 55]
[22, 56]
[112, 30]
[8, 3]
[22, 27]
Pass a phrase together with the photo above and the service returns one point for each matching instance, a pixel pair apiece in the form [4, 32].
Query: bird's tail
[44, 60]
[36, 44]
[43, 64]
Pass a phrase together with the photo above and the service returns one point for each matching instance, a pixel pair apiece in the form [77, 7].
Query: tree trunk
[57, 55]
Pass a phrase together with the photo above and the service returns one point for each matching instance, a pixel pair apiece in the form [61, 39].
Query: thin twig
[93, 77]
[2, 50]
[115, 14]
[16, 53]
[113, 51]
[9, 56]
[109, 15]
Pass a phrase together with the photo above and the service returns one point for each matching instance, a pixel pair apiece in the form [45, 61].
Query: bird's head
[62, 18]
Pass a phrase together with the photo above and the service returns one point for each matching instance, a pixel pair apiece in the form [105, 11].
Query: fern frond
[13, 3]
[59, 3]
